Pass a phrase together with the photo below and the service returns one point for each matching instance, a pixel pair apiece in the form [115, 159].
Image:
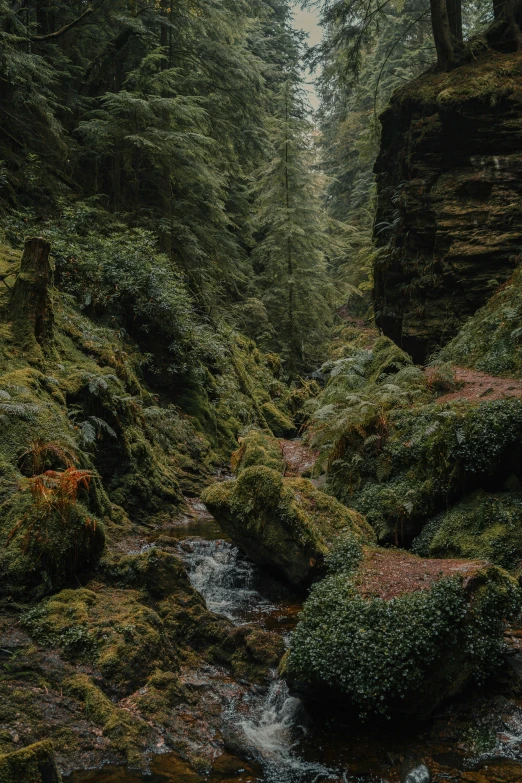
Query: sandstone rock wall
[449, 217]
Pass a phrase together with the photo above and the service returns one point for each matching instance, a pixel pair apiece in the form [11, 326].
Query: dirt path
[475, 385]
[298, 457]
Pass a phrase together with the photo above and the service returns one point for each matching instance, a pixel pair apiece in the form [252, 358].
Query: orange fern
[54, 494]
[33, 459]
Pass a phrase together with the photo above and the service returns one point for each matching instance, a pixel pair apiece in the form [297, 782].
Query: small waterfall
[273, 730]
[274, 722]
[224, 578]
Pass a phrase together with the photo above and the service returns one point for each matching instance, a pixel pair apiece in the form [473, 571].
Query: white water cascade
[274, 722]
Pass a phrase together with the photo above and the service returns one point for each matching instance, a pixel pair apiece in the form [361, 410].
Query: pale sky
[308, 21]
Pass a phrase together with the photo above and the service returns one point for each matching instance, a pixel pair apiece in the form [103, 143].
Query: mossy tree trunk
[31, 306]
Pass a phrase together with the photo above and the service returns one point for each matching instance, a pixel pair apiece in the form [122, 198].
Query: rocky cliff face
[449, 177]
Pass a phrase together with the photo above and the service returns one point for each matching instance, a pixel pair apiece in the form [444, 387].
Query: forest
[260, 392]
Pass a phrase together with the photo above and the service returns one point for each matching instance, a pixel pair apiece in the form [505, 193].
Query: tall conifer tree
[291, 234]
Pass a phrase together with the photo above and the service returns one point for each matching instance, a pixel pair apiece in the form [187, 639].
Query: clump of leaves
[403, 651]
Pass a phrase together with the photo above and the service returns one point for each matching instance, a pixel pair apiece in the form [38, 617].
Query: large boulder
[389, 631]
[285, 523]
[448, 198]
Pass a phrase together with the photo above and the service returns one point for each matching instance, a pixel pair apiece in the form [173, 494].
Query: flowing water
[271, 728]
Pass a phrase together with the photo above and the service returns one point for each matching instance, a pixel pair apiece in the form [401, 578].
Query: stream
[281, 740]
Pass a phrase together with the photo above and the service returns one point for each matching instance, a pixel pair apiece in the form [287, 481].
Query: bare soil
[478, 386]
[392, 573]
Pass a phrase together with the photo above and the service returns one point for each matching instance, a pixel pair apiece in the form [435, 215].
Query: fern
[21, 410]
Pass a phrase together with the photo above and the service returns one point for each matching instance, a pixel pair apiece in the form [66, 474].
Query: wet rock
[282, 522]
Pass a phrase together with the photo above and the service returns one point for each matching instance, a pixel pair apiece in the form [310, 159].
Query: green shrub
[407, 653]
[484, 525]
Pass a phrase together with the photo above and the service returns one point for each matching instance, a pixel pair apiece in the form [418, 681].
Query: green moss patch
[281, 425]
[33, 764]
[484, 525]
[258, 448]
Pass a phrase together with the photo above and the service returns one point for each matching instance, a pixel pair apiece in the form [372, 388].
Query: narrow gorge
[260, 393]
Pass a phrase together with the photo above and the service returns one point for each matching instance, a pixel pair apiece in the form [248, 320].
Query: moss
[258, 448]
[111, 628]
[286, 523]
[160, 573]
[402, 465]
[281, 425]
[408, 650]
[387, 359]
[126, 732]
[491, 340]
[484, 525]
[43, 548]
[33, 764]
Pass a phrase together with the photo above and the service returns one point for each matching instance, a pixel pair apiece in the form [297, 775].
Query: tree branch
[67, 27]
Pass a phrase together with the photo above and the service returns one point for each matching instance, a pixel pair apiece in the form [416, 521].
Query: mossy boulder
[46, 538]
[484, 525]
[280, 423]
[149, 618]
[388, 631]
[403, 467]
[33, 764]
[258, 448]
[127, 733]
[111, 628]
[285, 523]
[160, 573]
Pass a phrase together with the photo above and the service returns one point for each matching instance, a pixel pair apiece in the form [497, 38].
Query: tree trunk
[508, 12]
[31, 306]
[442, 33]
[454, 8]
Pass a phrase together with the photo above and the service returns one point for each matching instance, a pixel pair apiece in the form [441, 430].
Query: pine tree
[291, 236]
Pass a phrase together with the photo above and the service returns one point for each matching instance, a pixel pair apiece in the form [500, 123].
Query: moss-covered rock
[33, 764]
[258, 448]
[126, 732]
[111, 628]
[484, 525]
[491, 340]
[281, 425]
[389, 631]
[148, 619]
[285, 523]
[453, 211]
[403, 466]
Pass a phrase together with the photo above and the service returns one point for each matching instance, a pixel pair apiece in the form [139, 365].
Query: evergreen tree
[291, 235]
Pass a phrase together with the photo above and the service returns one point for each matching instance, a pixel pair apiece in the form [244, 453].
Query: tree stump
[31, 306]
